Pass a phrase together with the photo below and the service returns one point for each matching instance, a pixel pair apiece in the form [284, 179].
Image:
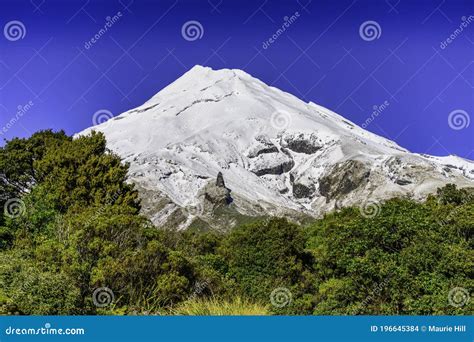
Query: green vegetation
[71, 228]
[215, 307]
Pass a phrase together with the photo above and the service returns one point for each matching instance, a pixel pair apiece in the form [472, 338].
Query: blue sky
[419, 84]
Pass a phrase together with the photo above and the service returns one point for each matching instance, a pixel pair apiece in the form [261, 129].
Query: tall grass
[220, 307]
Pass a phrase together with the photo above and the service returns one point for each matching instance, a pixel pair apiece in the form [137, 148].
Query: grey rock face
[343, 178]
[216, 193]
[307, 144]
[220, 180]
[402, 182]
[277, 169]
[303, 191]
[263, 145]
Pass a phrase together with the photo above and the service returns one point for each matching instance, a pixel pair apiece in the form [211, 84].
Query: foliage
[237, 306]
[79, 229]
[402, 261]
[268, 255]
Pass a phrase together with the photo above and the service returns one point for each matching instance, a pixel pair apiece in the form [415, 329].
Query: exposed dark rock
[220, 180]
[301, 143]
[403, 182]
[303, 191]
[348, 123]
[343, 178]
[216, 193]
[216, 197]
[277, 169]
[447, 169]
[270, 149]
[292, 178]
[264, 146]
[452, 166]
[303, 146]
[285, 151]
[144, 109]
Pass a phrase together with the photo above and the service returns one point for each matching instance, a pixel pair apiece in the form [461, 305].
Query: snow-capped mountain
[223, 140]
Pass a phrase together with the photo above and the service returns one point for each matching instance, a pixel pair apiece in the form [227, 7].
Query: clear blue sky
[320, 57]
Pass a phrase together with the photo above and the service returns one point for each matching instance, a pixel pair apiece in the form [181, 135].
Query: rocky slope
[216, 147]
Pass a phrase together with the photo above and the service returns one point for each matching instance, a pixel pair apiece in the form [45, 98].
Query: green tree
[81, 226]
[402, 261]
[268, 255]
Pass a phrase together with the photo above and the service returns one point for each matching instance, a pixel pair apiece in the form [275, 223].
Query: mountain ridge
[278, 154]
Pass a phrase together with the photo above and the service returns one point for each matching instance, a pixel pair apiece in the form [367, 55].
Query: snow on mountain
[276, 153]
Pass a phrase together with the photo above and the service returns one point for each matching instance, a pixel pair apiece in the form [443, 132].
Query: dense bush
[402, 261]
[75, 227]
[269, 255]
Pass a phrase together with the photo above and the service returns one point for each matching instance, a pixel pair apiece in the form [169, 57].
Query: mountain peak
[199, 78]
[205, 72]
[276, 152]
